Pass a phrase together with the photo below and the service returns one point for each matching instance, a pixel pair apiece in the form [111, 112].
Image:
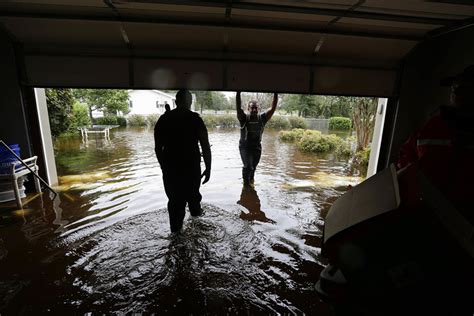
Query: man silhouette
[178, 134]
[251, 130]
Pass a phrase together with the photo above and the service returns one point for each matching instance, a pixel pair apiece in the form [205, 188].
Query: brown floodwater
[103, 245]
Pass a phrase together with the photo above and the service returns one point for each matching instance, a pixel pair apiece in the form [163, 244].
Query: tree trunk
[363, 118]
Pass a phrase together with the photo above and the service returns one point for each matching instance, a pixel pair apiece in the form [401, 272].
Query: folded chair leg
[37, 182]
[17, 194]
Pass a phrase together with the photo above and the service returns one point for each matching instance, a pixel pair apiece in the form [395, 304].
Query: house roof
[158, 92]
[217, 44]
[165, 94]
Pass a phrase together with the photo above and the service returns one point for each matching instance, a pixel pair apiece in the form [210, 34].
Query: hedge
[340, 123]
[110, 120]
[278, 122]
[297, 122]
[136, 120]
[222, 121]
[151, 119]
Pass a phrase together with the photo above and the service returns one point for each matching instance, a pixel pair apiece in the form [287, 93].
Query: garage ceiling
[366, 37]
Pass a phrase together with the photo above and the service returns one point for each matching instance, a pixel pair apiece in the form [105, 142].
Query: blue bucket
[7, 158]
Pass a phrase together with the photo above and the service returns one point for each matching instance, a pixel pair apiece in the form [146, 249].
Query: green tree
[59, 103]
[219, 101]
[80, 116]
[340, 106]
[304, 104]
[290, 103]
[363, 119]
[322, 106]
[211, 100]
[203, 100]
[111, 101]
[316, 105]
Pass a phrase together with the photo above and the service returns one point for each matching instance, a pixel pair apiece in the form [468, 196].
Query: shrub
[59, 103]
[278, 122]
[345, 148]
[333, 141]
[361, 160]
[223, 121]
[340, 123]
[292, 136]
[209, 120]
[297, 122]
[227, 121]
[151, 119]
[315, 141]
[312, 141]
[121, 121]
[80, 116]
[136, 120]
[106, 120]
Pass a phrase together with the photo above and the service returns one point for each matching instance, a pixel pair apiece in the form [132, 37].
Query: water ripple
[135, 265]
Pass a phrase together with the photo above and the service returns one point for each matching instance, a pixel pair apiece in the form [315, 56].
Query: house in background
[145, 102]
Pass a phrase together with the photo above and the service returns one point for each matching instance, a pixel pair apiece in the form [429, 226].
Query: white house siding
[145, 102]
[97, 114]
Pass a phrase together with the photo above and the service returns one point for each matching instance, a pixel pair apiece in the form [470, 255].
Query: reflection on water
[104, 244]
[249, 199]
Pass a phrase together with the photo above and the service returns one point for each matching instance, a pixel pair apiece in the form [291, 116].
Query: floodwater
[103, 245]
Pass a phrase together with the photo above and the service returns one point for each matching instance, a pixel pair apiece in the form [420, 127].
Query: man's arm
[270, 111]
[238, 107]
[159, 144]
[206, 153]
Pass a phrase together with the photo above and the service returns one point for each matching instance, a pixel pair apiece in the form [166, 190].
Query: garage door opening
[112, 227]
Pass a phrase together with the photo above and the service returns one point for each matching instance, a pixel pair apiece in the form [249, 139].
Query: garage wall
[420, 91]
[13, 127]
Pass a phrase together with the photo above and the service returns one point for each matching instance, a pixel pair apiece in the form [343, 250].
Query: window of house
[130, 104]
